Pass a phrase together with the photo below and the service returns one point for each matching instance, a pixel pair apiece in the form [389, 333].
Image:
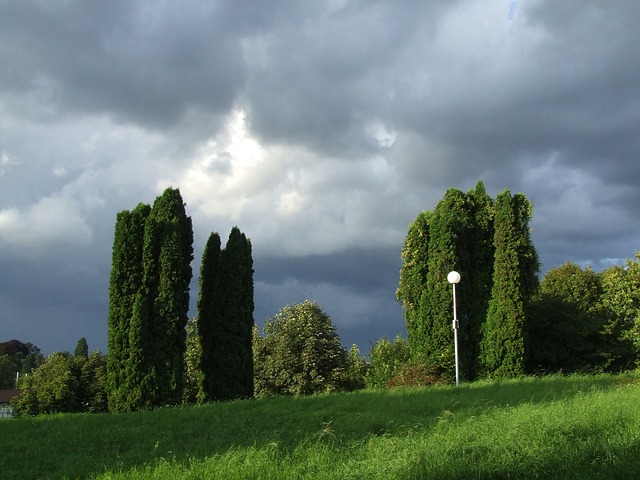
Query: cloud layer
[321, 129]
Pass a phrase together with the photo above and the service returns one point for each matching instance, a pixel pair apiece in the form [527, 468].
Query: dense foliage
[208, 315]
[64, 383]
[386, 358]
[300, 354]
[147, 336]
[17, 359]
[125, 282]
[226, 318]
[469, 233]
[579, 322]
[502, 344]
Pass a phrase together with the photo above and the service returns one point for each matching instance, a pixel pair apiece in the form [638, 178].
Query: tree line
[149, 303]
[511, 322]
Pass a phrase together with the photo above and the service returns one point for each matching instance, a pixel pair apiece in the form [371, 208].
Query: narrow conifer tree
[449, 247]
[502, 348]
[125, 282]
[479, 275]
[413, 278]
[208, 313]
[231, 356]
[157, 329]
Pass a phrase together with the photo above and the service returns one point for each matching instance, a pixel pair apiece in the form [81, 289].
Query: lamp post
[453, 278]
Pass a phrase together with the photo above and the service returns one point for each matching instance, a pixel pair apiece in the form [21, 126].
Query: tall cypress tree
[157, 330]
[231, 357]
[479, 275]
[449, 249]
[413, 278]
[502, 348]
[208, 312]
[125, 281]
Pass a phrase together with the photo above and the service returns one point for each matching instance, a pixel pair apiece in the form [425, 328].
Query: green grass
[551, 427]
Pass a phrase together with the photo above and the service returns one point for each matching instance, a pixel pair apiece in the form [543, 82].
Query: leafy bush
[64, 383]
[301, 354]
[385, 359]
[413, 375]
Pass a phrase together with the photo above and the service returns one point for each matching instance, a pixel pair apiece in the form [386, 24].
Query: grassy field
[552, 427]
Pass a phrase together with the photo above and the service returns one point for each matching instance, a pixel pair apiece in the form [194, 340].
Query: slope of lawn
[549, 427]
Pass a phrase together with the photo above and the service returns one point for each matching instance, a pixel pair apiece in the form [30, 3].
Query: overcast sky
[321, 129]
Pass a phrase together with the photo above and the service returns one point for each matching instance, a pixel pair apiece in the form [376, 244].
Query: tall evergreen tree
[156, 326]
[502, 348]
[209, 312]
[479, 275]
[230, 373]
[413, 278]
[449, 249]
[167, 274]
[125, 282]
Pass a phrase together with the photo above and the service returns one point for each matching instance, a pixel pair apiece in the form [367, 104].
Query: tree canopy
[149, 302]
[300, 354]
[481, 239]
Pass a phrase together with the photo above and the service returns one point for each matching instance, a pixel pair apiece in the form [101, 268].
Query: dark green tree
[386, 359]
[7, 373]
[461, 234]
[300, 354]
[621, 305]
[228, 360]
[413, 279]
[450, 247]
[564, 322]
[17, 359]
[150, 301]
[82, 349]
[124, 288]
[502, 347]
[478, 276]
[209, 314]
[162, 305]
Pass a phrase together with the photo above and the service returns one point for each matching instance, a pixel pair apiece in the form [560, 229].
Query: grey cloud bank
[321, 129]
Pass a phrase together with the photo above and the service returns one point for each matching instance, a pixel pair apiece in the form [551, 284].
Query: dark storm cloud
[140, 62]
[319, 128]
[322, 76]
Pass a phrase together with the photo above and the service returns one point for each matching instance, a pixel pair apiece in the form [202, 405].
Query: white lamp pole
[453, 278]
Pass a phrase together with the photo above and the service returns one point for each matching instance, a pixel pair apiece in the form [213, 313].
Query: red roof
[7, 395]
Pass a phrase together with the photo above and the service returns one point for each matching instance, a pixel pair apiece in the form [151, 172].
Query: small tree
[621, 307]
[301, 353]
[64, 383]
[92, 383]
[82, 349]
[356, 371]
[386, 358]
[51, 388]
[192, 392]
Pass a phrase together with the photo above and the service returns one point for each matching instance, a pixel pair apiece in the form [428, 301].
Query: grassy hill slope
[552, 427]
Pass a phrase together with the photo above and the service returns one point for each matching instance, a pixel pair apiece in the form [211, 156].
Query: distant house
[5, 401]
